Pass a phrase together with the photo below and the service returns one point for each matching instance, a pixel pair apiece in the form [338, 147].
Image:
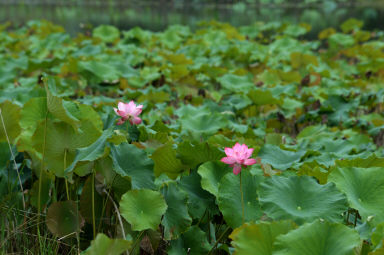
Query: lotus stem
[102, 213]
[66, 181]
[242, 200]
[218, 240]
[202, 217]
[128, 131]
[93, 205]
[118, 215]
[137, 239]
[66, 188]
[41, 171]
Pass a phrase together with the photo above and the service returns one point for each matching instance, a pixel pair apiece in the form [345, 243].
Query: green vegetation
[73, 181]
[79, 15]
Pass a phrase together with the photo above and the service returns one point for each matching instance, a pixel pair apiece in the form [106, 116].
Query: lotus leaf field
[118, 142]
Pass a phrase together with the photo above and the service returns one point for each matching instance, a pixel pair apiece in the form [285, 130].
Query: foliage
[312, 111]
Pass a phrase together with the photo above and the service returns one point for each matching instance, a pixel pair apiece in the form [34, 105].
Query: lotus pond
[217, 140]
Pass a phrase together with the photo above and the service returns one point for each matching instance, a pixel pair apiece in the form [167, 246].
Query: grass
[19, 234]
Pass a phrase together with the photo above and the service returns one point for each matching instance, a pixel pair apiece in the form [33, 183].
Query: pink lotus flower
[129, 111]
[238, 156]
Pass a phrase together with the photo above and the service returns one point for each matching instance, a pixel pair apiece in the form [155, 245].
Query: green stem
[105, 203]
[135, 243]
[65, 167]
[202, 217]
[39, 195]
[127, 130]
[41, 174]
[93, 205]
[118, 215]
[348, 216]
[242, 199]
[218, 240]
[66, 188]
[77, 216]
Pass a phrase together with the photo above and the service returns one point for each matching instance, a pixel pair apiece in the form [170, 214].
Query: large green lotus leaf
[319, 238]
[92, 152]
[143, 208]
[301, 199]
[236, 83]
[230, 202]
[300, 60]
[379, 251]
[259, 238]
[61, 109]
[46, 183]
[193, 154]
[220, 140]
[154, 96]
[311, 132]
[178, 71]
[351, 24]
[170, 38]
[166, 161]
[315, 170]
[87, 112]
[61, 87]
[88, 196]
[119, 184]
[176, 247]
[63, 218]
[364, 188]
[106, 33]
[211, 174]
[83, 168]
[145, 76]
[5, 156]
[195, 240]
[128, 160]
[199, 200]
[11, 116]
[371, 161]
[290, 105]
[117, 137]
[201, 120]
[22, 94]
[295, 30]
[104, 167]
[139, 34]
[341, 107]
[33, 111]
[61, 142]
[176, 219]
[237, 101]
[378, 235]
[35, 64]
[278, 158]
[103, 71]
[336, 146]
[262, 97]
[102, 245]
[268, 77]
